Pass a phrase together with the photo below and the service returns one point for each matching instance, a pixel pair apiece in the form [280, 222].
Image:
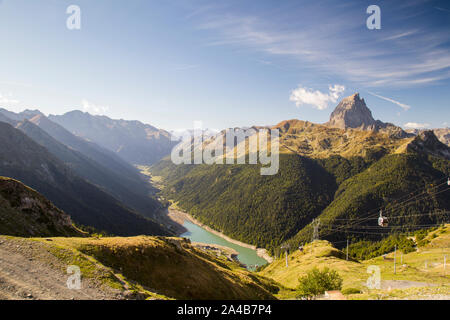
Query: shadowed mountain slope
[25, 160]
[26, 213]
[94, 172]
[129, 174]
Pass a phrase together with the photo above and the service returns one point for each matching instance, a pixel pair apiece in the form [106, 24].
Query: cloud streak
[315, 98]
[415, 125]
[401, 105]
[334, 42]
[7, 99]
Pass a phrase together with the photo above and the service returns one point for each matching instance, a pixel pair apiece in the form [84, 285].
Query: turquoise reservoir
[197, 234]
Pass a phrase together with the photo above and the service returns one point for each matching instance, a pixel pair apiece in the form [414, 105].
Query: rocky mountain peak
[352, 112]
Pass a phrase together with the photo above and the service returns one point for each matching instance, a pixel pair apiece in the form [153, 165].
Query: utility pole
[286, 255]
[347, 251]
[286, 248]
[395, 257]
[316, 224]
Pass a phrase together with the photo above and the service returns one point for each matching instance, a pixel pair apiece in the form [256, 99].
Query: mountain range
[320, 164]
[134, 141]
[340, 170]
[74, 175]
[28, 161]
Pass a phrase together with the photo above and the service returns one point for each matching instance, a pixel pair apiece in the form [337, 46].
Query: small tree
[317, 281]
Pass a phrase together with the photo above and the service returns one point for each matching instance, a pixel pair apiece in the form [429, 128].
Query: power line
[376, 218]
[353, 226]
[361, 220]
[370, 213]
[372, 233]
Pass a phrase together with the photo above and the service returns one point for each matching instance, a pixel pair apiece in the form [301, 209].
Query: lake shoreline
[180, 216]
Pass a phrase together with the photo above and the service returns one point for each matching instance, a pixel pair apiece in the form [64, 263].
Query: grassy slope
[317, 254]
[24, 212]
[321, 142]
[321, 254]
[161, 267]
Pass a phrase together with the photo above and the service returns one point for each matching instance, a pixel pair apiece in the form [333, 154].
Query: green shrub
[316, 282]
[351, 291]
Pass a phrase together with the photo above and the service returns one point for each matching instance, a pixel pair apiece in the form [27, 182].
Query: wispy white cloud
[442, 9]
[315, 98]
[322, 41]
[93, 108]
[415, 125]
[7, 99]
[400, 35]
[401, 105]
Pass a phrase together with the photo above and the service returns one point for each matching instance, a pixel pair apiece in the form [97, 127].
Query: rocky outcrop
[443, 134]
[426, 141]
[24, 212]
[353, 113]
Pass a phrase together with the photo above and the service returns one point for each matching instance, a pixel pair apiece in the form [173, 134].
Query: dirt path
[29, 271]
[404, 284]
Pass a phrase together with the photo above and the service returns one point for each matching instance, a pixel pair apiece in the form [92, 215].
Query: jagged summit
[26, 114]
[352, 112]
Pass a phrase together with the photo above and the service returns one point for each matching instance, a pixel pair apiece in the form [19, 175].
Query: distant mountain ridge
[443, 134]
[91, 162]
[134, 141]
[106, 157]
[27, 161]
[135, 196]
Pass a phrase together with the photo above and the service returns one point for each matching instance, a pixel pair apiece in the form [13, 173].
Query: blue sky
[227, 63]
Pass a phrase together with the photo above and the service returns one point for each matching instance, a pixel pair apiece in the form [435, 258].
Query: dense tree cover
[386, 184]
[342, 168]
[363, 250]
[270, 210]
[261, 210]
